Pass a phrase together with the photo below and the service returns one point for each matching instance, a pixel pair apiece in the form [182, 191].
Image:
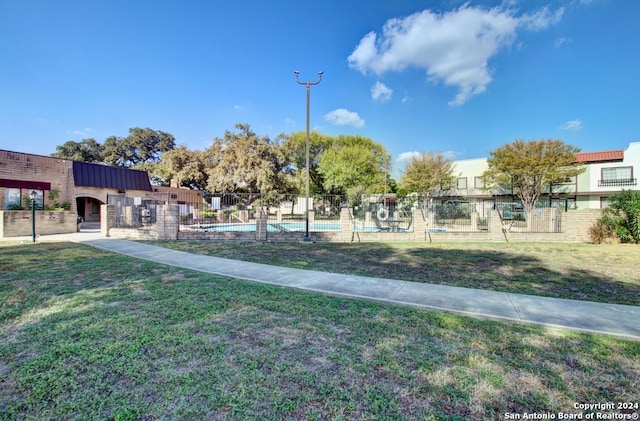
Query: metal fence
[474, 214]
[284, 212]
[369, 213]
[381, 213]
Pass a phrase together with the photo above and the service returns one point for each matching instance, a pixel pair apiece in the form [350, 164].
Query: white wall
[470, 168]
[587, 182]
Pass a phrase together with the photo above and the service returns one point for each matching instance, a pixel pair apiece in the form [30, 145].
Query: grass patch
[601, 273]
[86, 334]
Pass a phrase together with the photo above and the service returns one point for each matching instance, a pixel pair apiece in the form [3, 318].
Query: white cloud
[572, 125]
[405, 157]
[541, 19]
[82, 132]
[453, 47]
[559, 42]
[343, 117]
[289, 122]
[452, 155]
[381, 92]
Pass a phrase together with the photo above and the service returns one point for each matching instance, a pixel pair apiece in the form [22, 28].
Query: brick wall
[27, 167]
[19, 223]
[576, 224]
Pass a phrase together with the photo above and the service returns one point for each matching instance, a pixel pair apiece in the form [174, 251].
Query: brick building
[77, 186]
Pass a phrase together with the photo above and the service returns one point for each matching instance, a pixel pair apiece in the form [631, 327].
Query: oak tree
[186, 167]
[87, 150]
[242, 161]
[141, 146]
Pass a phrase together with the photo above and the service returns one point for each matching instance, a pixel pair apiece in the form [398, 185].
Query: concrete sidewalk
[612, 319]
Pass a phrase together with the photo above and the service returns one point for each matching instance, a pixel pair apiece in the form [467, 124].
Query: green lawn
[602, 273]
[86, 334]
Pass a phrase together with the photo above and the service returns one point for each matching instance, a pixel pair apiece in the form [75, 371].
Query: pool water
[274, 227]
[282, 227]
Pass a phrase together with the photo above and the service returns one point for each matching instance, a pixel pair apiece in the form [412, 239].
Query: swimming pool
[273, 227]
[281, 227]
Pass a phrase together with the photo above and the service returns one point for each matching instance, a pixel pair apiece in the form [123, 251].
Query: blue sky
[452, 76]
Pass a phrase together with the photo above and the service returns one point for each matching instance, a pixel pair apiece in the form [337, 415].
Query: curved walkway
[611, 319]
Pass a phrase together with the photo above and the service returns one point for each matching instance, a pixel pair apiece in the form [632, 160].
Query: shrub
[622, 216]
[601, 233]
[207, 213]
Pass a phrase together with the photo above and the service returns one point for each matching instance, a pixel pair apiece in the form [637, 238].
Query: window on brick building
[12, 198]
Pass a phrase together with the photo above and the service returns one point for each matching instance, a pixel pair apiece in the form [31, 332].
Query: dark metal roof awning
[96, 175]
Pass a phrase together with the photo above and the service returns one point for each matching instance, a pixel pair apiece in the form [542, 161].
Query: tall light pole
[33, 195]
[308, 85]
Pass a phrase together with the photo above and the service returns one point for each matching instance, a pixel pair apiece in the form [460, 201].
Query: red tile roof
[613, 155]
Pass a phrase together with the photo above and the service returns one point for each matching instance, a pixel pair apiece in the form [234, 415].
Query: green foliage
[340, 164]
[28, 202]
[242, 161]
[294, 147]
[209, 213]
[528, 167]
[53, 196]
[451, 210]
[354, 163]
[428, 172]
[622, 217]
[87, 150]
[186, 167]
[140, 147]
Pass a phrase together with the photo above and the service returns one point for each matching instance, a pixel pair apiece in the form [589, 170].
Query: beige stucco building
[606, 172]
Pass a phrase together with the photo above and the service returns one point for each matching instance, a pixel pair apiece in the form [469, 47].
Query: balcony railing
[617, 183]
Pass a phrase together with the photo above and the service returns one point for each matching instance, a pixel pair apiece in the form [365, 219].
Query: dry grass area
[88, 335]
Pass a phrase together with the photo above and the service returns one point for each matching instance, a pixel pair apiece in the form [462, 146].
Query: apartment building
[607, 172]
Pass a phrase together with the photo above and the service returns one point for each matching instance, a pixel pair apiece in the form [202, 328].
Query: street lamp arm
[297, 73]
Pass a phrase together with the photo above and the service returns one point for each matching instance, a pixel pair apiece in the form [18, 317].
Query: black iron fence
[284, 212]
[381, 213]
[368, 212]
[474, 214]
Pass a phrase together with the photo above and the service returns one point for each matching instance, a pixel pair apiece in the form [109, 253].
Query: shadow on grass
[112, 337]
[496, 269]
